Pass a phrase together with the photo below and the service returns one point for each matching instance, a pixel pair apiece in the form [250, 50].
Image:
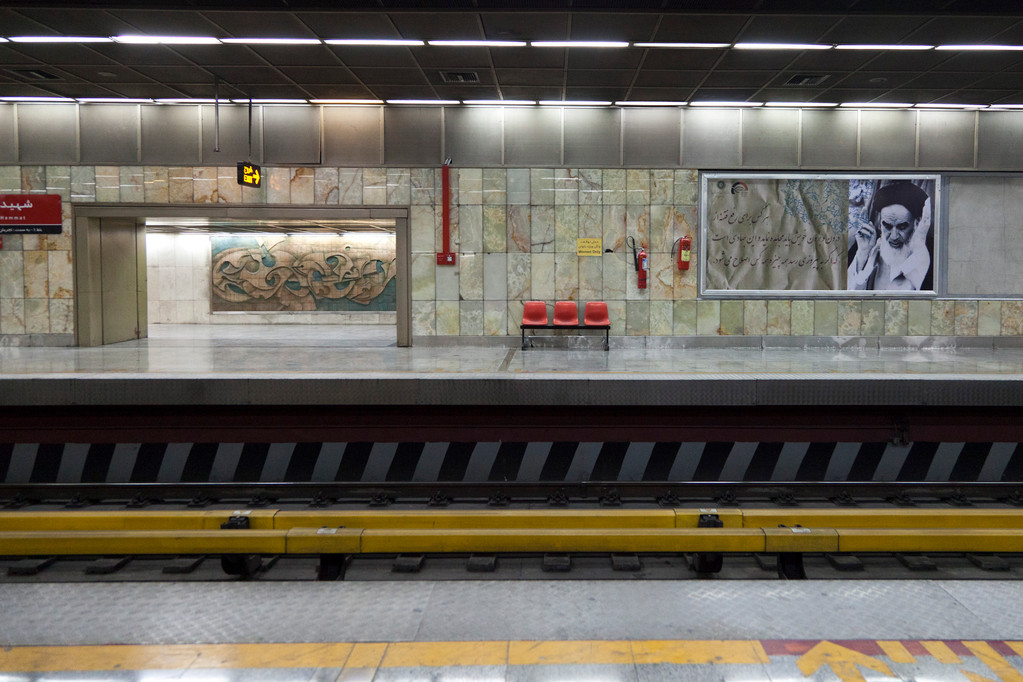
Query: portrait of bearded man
[888, 251]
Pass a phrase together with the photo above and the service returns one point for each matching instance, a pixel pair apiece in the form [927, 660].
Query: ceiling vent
[802, 80]
[461, 77]
[33, 75]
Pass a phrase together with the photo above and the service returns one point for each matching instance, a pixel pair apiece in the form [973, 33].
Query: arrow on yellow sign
[841, 660]
[248, 174]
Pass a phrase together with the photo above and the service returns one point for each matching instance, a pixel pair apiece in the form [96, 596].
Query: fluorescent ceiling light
[1009, 48]
[683, 46]
[372, 41]
[270, 101]
[650, 104]
[1007, 106]
[114, 100]
[578, 43]
[573, 103]
[59, 39]
[272, 41]
[501, 102]
[801, 105]
[166, 40]
[3, 40]
[190, 100]
[36, 99]
[423, 101]
[876, 105]
[478, 43]
[782, 46]
[884, 47]
[726, 104]
[949, 106]
[346, 101]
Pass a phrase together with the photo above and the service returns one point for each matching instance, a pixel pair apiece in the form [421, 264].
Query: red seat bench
[566, 316]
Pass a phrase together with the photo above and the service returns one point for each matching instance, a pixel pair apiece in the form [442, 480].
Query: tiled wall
[515, 231]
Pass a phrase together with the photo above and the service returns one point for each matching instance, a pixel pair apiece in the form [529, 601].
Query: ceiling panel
[372, 76]
[738, 79]
[452, 57]
[374, 56]
[700, 28]
[597, 77]
[349, 24]
[652, 78]
[296, 55]
[260, 24]
[69, 21]
[530, 76]
[603, 58]
[139, 54]
[61, 53]
[958, 30]
[854, 30]
[681, 59]
[788, 28]
[528, 58]
[318, 74]
[437, 25]
[163, 22]
[227, 55]
[609, 26]
[526, 26]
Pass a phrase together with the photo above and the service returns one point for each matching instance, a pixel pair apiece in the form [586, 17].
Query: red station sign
[30, 214]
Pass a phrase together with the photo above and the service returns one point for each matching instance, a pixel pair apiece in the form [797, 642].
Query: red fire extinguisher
[684, 246]
[644, 266]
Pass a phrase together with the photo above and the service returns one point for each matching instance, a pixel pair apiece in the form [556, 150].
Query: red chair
[534, 312]
[595, 314]
[566, 314]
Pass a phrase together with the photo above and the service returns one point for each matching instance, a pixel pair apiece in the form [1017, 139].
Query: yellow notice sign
[588, 247]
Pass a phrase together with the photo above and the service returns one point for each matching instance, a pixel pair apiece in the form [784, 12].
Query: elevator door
[122, 275]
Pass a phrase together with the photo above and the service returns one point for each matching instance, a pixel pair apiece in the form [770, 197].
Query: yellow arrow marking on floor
[842, 662]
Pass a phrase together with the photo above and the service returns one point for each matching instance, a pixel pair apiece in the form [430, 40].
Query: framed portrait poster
[821, 235]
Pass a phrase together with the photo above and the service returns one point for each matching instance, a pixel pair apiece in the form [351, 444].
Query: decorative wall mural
[264, 273]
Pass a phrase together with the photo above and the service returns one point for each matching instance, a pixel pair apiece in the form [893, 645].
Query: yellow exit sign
[249, 174]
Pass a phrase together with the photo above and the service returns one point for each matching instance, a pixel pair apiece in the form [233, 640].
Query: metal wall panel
[234, 135]
[291, 134]
[711, 138]
[472, 135]
[888, 139]
[110, 133]
[532, 136]
[593, 137]
[946, 139]
[770, 138]
[170, 135]
[651, 137]
[352, 136]
[1000, 141]
[8, 150]
[412, 136]
[829, 138]
[47, 133]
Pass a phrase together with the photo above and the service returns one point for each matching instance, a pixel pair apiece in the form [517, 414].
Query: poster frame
[937, 231]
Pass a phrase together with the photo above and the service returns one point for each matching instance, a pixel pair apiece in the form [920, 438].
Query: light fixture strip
[579, 43]
[684, 46]
[574, 103]
[650, 104]
[383, 42]
[271, 41]
[885, 47]
[726, 104]
[58, 39]
[981, 48]
[477, 43]
[876, 105]
[782, 46]
[165, 40]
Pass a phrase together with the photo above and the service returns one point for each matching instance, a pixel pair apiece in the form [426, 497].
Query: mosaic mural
[263, 273]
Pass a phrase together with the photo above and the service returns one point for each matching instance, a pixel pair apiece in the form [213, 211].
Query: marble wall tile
[615, 270]
[12, 272]
[873, 318]
[447, 277]
[518, 229]
[965, 318]
[779, 317]
[919, 318]
[495, 319]
[204, 185]
[495, 277]
[638, 187]
[684, 318]
[825, 318]
[58, 181]
[541, 186]
[566, 276]
[519, 272]
[514, 316]
[62, 316]
[448, 315]
[989, 318]
[61, 277]
[424, 186]
[470, 277]
[687, 187]
[662, 187]
[10, 179]
[374, 186]
[157, 184]
[12, 315]
[325, 186]
[36, 274]
[83, 183]
[133, 184]
[495, 229]
[37, 316]
[470, 186]
[801, 318]
[661, 278]
[470, 228]
[541, 226]
[1012, 318]
[637, 318]
[303, 185]
[399, 187]
[731, 318]
[424, 318]
[566, 186]
[637, 225]
[942, 318]
[754, 318]
[349, 186]
[180, 190]
[542, 277]
[228, 189]
[423, 224]
[470, 321]
[615, 187]
[591, 278]
[518, 185]
[591, 222]
[423, 268]
[108, 184]
[896, 318]
[708, 318]
[850, 318]
[614, 224]
[33, 179]
[591, 186]
[566, 228]
[495, 187]
[685, 281]
[33, 242]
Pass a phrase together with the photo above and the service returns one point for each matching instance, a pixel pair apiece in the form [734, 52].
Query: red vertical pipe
[445, 183]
